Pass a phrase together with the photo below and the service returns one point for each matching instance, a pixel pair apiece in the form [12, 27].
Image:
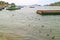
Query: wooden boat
[48, 12]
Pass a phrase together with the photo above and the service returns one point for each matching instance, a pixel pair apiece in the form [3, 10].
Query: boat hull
[12, 8]
[48, 12]
[51, 13]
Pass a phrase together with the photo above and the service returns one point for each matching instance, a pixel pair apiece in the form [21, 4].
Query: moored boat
[32, 7]
[48, 12]
[12, 8]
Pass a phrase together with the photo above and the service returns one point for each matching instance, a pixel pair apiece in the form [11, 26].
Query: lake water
[28, 25]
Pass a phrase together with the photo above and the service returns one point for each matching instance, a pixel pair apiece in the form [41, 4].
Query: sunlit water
[29, 25]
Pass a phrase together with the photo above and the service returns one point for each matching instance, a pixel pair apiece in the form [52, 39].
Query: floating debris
[29, 25]
[50, 30]
[38, 19]
[53, 37]
[12, 14]
[42, 26]
[47, 34]
[39, 31]
[35, 18]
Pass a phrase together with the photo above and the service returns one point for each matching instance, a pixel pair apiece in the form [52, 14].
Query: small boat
[12, 8]
[32, 7]
[48, 12]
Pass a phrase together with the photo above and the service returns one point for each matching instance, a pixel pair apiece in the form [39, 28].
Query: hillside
[54, 4]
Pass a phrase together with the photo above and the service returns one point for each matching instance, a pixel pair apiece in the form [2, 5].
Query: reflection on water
[25, 24]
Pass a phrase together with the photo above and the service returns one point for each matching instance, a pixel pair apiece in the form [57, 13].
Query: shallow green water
[27, 23]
